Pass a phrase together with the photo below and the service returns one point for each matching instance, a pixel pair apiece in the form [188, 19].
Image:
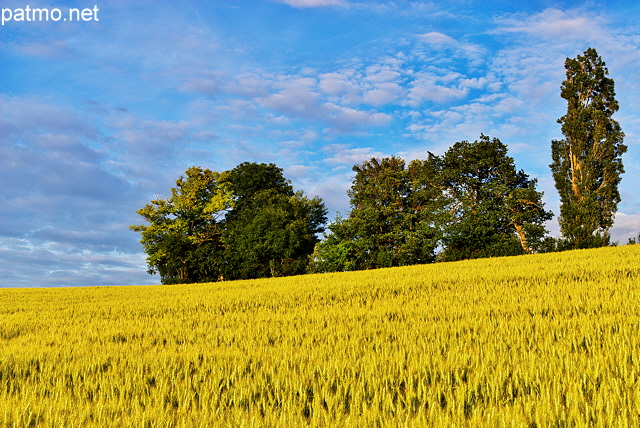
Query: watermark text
[37, 14]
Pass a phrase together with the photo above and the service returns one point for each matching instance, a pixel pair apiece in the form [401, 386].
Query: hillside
[536, 341]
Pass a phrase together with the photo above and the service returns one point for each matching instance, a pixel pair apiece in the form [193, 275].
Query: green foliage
[587, 163]
[183, 238]
[391, 222]
[469, 203]
[249, 179]
[333, 254]
[243, 223]
[272, 230]
[274, 237]
[495, 210]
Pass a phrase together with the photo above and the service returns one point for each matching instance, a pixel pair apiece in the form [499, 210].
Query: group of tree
[470, 202]
[239, 224]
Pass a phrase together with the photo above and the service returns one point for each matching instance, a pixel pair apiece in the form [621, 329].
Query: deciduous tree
[494, 209]
[183, 239]
[391, 219]
[274, 237]
[271, 230]
[243, 223]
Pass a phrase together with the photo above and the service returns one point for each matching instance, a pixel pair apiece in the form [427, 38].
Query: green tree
[249, 178]
[243, 223]
[271, 230]
[390, 223]
[587, 163]
[493, 209]
[334, 253]
[183, 240]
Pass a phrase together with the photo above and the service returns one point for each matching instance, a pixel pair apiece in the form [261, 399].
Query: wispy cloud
[429, 87]
[313, 3]
[341, 154]
[441, 41]
[552, 24]
[341, 86]
[444, 47]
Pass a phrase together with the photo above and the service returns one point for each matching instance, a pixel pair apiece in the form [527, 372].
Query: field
[549, 340]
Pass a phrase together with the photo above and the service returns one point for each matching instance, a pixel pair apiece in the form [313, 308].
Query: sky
[101, 114]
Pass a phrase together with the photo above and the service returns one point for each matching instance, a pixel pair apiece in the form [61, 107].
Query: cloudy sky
[98, 117]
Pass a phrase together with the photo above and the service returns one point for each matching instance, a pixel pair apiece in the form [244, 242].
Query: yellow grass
[547, 340]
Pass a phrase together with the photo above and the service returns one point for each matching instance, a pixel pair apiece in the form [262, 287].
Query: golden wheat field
[549, 340]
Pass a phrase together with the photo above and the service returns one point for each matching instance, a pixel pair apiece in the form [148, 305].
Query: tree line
[470, 202]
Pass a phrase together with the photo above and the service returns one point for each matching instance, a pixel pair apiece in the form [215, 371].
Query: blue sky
[99, 117]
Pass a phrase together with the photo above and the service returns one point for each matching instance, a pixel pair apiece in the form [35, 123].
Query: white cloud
[436, 38]
[552, 24]
[625, 226]
[474, 82]
[382, 73]
[302, 98]
[296, 96]
[440, 42]
[341, 87]
[383, 94]
[425, 87]
[313, 3]
[508, 105]
[340, 154]
[346, 119]
[337, 83]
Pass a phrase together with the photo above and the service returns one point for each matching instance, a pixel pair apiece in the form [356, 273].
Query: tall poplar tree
[587, 163]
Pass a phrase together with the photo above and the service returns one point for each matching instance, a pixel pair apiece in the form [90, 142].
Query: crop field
[549, 340]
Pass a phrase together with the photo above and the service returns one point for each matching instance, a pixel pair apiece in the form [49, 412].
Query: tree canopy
[183, 239]
[272, 230]
[469, 203]
[391, 221]
[494, 210]
[587, 163]
[243, 223]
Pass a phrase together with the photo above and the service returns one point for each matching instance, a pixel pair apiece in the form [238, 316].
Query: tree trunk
[575, 175]
[523, 238]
